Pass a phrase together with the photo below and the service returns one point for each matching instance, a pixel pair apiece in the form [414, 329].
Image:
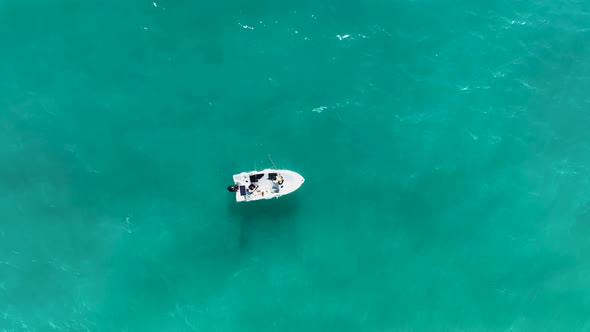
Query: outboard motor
[233, 188]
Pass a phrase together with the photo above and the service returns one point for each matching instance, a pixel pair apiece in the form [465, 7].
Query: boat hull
[266, 184]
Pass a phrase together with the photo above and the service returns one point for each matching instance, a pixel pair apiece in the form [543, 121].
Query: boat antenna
[273, 163]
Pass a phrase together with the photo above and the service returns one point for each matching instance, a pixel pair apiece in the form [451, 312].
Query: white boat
[265, 184]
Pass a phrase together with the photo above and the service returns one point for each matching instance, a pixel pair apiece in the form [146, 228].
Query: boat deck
[263, 184]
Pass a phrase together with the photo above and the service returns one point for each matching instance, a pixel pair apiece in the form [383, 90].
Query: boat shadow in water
[267, 220]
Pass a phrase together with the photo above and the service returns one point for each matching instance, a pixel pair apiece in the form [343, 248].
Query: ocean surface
[445, 147]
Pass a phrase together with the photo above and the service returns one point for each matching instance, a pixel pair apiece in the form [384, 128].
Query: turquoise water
[445, 148]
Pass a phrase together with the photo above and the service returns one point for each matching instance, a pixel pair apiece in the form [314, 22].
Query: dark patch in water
[269, 220]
